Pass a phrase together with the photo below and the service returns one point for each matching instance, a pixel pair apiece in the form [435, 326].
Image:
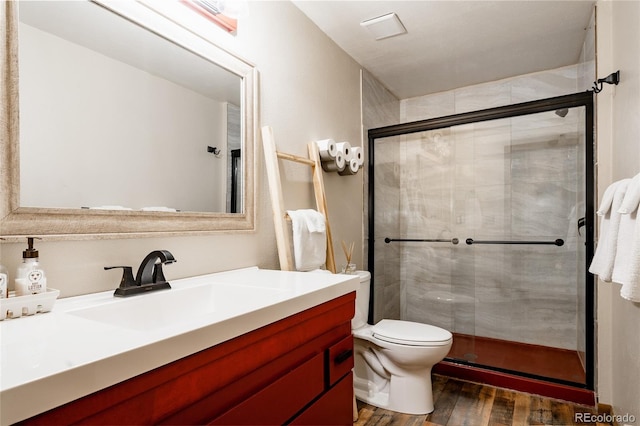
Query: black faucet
[150, 276]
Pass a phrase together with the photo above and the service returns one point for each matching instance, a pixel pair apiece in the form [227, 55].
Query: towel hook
[613, 78]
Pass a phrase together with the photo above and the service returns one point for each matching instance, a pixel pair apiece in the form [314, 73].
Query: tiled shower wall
[381, 108]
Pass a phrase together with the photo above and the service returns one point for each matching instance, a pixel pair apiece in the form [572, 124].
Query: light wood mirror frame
[56, 224]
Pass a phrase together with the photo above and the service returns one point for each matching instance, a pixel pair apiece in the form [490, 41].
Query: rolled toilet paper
[345, 148]
[337, 165]
[351, 169]
[358, 154]
[327, 149]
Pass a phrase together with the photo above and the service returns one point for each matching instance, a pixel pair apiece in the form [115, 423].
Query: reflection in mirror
[114, 116]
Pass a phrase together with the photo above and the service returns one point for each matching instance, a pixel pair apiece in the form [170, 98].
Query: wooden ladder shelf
[283, 239]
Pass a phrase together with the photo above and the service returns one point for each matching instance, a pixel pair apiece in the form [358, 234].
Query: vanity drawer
[339, 360]
[335, 407]
[289, 394]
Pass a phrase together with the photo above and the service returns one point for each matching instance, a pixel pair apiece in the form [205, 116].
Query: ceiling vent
[384, 26]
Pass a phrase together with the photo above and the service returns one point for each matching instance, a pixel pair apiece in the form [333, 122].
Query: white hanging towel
[309, 239]
[631, 289]
[631, 197]
[604, 257]
[627, 266]
[625, 250]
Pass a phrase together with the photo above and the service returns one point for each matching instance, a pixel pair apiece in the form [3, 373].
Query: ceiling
[454, 43]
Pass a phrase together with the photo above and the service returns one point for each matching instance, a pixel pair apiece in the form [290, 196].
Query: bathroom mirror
[128, 124]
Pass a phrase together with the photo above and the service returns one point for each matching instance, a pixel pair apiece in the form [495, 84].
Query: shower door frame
[582, 99]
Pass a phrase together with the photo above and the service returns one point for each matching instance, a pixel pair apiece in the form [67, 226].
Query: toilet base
[410, 395]
[364, 392]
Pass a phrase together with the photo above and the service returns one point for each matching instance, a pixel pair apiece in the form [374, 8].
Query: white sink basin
[165, 308]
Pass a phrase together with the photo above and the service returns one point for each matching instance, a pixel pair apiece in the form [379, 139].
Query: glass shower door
[477, 231]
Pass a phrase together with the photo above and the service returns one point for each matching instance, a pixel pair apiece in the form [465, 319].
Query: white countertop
[49, 359]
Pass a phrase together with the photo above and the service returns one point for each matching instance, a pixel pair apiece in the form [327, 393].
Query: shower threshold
[560, 364]
[553, 372]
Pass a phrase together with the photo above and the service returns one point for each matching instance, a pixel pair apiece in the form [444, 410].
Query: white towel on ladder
[604, 257]
[309, 238]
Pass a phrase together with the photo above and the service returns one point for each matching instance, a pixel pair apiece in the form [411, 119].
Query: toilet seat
[411, 333]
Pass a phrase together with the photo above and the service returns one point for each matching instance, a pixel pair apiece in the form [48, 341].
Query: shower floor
[561, 364]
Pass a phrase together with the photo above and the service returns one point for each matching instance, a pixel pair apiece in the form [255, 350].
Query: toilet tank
[362, 300]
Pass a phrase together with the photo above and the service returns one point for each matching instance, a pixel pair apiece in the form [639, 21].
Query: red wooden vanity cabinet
[294, 371]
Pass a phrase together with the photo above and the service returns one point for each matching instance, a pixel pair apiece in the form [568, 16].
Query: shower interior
[488, 221]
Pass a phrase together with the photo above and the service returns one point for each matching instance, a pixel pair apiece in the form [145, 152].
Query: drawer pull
[343, 356]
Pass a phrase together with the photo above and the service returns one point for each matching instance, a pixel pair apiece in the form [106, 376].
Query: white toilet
[393, 359]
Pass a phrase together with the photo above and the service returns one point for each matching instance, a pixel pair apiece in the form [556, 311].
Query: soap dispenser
[30, 279]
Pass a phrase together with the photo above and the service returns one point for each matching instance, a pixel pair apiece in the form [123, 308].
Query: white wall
[618, 142]
[309, 90]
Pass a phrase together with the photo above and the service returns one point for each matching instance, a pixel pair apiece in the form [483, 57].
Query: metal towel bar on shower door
[559, 242]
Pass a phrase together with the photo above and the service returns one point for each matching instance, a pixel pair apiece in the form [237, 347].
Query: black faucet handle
[127, 276]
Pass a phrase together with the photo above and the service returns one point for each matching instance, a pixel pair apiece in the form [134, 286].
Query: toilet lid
[411, 333]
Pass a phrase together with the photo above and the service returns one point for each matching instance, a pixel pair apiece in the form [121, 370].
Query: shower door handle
[581, 223]
[422, 240]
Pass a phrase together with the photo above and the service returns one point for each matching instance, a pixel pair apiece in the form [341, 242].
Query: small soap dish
[17, 306]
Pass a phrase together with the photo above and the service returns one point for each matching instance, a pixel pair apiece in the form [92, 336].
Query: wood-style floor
[460, 403]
